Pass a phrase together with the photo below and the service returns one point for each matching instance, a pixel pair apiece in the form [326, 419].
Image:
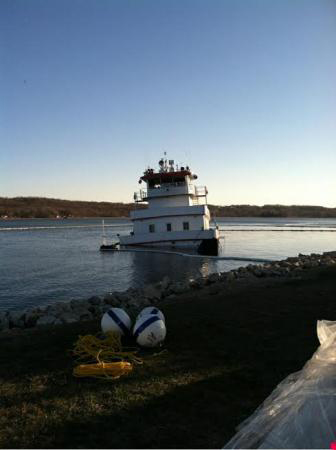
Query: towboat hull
[205, 242]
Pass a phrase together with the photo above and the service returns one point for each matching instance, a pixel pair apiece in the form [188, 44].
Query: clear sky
[244, 91]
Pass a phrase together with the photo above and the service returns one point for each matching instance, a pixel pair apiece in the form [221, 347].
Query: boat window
[151, 228]
[153, 183]
[186, 225]
[169, 226]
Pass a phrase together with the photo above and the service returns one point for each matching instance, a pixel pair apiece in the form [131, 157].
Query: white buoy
[151, 310]
[116, 320]
[149, 330]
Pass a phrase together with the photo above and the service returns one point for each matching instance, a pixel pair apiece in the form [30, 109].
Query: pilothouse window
[185, 225]
[169, 226]
[152, 228]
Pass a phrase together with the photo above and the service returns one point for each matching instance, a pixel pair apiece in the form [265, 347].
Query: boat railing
[201, 191]
[140, 196]
[170, 189]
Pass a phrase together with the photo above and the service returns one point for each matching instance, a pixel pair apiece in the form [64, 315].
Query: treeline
[272, 211]
[37, 207]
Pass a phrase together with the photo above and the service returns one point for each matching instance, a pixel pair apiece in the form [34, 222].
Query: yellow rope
[104, 357]
[103, 370]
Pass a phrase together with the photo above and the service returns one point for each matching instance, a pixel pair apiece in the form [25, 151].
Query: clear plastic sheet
[301, 411]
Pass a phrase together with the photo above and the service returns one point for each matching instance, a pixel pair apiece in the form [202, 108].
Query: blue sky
[93, 91]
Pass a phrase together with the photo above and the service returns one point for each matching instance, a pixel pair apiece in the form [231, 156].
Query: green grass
[223, 355]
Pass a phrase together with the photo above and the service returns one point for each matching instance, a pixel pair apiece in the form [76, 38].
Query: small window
[152, 228]
[169, 227]
[186, 225]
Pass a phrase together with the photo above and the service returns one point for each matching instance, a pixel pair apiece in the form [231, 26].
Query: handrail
[197, 191]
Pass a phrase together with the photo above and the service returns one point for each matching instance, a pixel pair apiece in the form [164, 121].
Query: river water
[43, 261]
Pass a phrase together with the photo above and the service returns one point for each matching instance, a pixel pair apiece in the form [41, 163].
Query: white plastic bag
[301, 411]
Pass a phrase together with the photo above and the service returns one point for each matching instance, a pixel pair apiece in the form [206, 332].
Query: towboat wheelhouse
[177, 214]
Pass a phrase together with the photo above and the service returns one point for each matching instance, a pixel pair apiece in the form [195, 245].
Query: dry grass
[223, 355]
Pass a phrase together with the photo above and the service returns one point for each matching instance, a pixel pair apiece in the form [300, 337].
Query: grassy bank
[224, 353]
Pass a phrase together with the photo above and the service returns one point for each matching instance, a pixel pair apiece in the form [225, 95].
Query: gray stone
[139, 302]
[122, 297]
[4, 322]
[94, 310]
[196, 284]
[105, 307]
[63, 306]
[95, 300]
[179, 288]
[48, 320]
[69, 317]
[57, 309]
[297, 264]
[212, 278]
[85, 314]
[31, 317]
[331, 254]
[152, 292]
[16, 319]
[244, 273]
[75, 304]
[230, 276]
[292, 259]
[165, 283]
[112, 300]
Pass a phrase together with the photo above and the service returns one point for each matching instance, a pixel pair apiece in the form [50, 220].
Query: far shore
[40, 207]
[127, 217]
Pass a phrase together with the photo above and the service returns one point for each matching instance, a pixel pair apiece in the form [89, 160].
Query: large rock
[165, 283]
[69, 317]
[48, 320]
[94, 311]
[111, 300]
[105, 307]
[212, 278]
[197, 283]
[95, 300]
[179, 287]
[4, 321]
[122, 297]
[85, 314]
[74, 303]
[31, 317]
[138, 303]
[16, 319]
[331, 254]
[230, 276]
[152, 292]
[57, 309]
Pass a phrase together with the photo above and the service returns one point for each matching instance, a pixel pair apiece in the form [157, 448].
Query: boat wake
[191, 255]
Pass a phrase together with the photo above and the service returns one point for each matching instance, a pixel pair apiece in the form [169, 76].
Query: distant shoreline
[127, 217]
[49, 208]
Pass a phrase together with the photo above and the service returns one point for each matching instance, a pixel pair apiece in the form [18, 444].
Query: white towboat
[177, 214]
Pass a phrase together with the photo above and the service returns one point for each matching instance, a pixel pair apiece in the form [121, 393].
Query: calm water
[43, 261]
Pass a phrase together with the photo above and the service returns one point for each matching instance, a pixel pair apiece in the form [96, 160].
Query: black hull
[208, 247]
[108, 248]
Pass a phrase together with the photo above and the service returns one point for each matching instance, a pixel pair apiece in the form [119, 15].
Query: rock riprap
[133, 300]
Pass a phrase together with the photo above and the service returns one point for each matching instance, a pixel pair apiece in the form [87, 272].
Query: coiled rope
[103, 357]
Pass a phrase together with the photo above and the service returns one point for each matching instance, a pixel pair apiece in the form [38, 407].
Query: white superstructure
[177, 214]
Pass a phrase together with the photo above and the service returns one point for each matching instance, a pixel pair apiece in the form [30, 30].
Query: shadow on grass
[198, 415]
